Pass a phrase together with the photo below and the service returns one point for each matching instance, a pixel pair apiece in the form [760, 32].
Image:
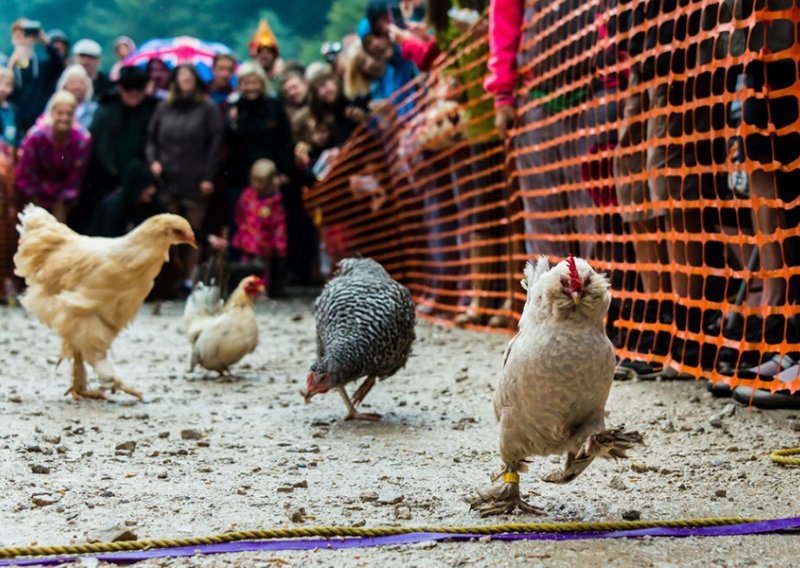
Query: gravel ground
[200, 457]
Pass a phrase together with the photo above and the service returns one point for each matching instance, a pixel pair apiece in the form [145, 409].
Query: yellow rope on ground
[779, 456]
[342, 532]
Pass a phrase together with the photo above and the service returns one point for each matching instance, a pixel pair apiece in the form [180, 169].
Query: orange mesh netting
[657, 139]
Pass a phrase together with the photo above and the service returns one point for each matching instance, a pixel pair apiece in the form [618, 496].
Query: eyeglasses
[133, 88]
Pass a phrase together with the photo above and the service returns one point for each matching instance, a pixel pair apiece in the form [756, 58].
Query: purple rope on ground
[760, 527]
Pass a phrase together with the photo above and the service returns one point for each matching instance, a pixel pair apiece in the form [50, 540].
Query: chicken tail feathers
[203, 302]
[33, 218]
[39, 235]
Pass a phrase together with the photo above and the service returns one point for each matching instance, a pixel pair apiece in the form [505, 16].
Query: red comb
[575, 283]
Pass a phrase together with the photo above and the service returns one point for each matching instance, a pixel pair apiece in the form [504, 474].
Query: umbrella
[177, 50]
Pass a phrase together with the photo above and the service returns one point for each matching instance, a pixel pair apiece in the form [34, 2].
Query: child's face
[6, 88]
[320, 135]
[261, 183]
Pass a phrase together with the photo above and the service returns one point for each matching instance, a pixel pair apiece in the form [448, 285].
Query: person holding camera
[36, 66]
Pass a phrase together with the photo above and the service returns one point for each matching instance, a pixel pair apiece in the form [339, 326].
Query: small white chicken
[222, 334]
[557, 375]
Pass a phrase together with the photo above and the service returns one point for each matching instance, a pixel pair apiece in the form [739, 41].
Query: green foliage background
[300, 25]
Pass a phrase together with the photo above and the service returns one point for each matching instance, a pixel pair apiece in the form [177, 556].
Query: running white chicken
[557, 375]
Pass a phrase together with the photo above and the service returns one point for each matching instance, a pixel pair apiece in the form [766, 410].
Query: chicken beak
[576, 297]
[192, 242]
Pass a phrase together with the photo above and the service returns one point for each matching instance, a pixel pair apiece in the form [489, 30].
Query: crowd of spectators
[104, 150]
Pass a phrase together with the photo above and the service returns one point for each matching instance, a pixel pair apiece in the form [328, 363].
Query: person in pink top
[564, 92]
[55, 155]
[260, 219]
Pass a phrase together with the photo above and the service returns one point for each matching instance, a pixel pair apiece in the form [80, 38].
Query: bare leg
[195, 216]
[80, 388]
[768, 220]
[504, 498]
[108, 377]
[363, 390]
[352, 413]
[650, 252]
[686, 251]
[59, 211]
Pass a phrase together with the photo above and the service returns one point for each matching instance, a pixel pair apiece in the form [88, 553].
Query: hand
[379, 106]
[407, 8]
[504, 118]
[398, 35]
[157, 169]
[233, 114]
[206, 188]
[355, 114]
[219, 244]
[419, 30]
[301, 155]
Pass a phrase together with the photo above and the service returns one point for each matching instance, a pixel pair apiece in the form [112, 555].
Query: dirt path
[262, 454]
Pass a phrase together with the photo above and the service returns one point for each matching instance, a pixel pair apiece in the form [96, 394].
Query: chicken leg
[352, 413]
[502, 499]
[109, 379]
[80, 387]
[609, 444]
[363, 390]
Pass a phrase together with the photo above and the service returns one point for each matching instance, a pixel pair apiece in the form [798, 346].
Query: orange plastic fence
[657, 139]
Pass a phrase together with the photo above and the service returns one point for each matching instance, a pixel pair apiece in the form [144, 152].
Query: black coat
[108, 150]
[119, 136]
[119, 213]
[262, 130]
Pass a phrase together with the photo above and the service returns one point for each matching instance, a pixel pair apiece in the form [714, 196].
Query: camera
[31, 28]
[330, 49]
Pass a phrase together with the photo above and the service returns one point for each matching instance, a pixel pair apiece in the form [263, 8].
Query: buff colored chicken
[88, 289]
[557, 375]
[221, 335]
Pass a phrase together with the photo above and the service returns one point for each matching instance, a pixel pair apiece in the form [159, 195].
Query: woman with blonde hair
[55, 154]
[76, 80]
[360, 72]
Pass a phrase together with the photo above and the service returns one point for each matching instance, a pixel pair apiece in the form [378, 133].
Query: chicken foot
[80, 386]
[109, 379]
[352, 413]
[502, 499]
[609, 444]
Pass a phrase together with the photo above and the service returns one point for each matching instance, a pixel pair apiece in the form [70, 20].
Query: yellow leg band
[511, 477]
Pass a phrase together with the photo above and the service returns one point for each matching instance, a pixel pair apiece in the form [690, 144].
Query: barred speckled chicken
[365, 328]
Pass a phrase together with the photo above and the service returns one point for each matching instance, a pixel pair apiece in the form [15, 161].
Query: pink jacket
[505, 33]
[46, 173]
[420, 52]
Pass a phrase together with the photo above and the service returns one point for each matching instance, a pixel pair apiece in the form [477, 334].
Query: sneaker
[782, 399]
